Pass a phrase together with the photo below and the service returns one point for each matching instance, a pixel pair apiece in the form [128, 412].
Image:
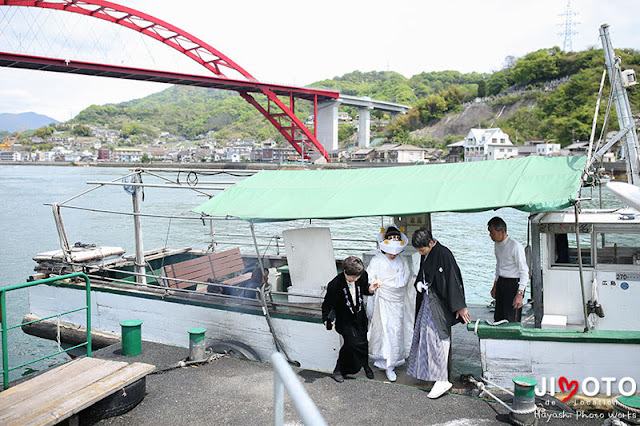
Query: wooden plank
[179, 284]
[89, 395]
[205, 264]
[231, 252]
[179, 270]
[194, 274]
[63, 387]
[224, 255]
[229, 267]
[238, 279]
[202, 264]
[215, 265]
[45, 381]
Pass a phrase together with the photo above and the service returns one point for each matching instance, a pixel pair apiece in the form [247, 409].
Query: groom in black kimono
[344, 298]
[440, 304]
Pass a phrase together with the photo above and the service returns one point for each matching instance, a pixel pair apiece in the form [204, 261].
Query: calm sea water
[27, 228]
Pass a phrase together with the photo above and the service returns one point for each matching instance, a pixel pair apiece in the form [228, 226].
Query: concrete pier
[231, 391]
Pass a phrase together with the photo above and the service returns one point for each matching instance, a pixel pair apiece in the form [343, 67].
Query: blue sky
[294, 42]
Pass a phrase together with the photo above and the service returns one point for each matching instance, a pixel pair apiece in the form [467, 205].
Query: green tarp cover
[531, 184]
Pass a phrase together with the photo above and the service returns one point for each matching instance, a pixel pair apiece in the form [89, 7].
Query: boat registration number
[627, 276]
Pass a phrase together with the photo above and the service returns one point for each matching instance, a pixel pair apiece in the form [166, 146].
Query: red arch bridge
[279, 112]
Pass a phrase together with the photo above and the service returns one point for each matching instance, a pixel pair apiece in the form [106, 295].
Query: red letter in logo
[571, 387]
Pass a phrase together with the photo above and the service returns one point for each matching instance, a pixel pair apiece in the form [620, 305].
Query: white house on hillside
[488, 144]
[399, 153]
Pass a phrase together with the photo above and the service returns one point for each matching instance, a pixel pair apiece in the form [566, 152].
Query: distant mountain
[30, 120]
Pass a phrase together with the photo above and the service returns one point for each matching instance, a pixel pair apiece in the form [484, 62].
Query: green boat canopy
[531, 184]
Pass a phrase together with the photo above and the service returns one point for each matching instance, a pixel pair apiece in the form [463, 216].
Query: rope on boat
[160, 216]
[276, 341]
[592, 154]
[482, 388]
[595, 116]
[265, 287]
[491, 323]
[186, 363]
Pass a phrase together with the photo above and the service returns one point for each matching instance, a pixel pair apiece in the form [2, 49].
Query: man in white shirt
[512, 273]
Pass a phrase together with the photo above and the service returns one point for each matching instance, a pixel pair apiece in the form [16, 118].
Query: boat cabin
[610, 256]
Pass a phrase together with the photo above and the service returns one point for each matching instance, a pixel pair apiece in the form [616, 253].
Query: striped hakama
[429, 356]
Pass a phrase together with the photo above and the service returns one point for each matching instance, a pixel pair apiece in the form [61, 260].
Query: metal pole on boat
[213, 236]
[255, 244]
[584, 302]
[536, 270]
[62, 233]
[623, 108]
[139, 263]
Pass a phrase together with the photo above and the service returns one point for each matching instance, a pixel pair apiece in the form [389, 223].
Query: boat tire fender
[115, 404]
[233, 348]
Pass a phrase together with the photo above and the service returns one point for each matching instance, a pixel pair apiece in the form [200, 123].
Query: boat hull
[305, 340]
[508, 351]
[504, 360]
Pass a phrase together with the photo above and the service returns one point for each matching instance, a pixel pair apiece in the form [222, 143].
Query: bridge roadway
[328, 118]
[327, 101]
[38, 63]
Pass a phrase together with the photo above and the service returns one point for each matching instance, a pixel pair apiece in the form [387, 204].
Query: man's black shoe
[337, 376]
[368, 372]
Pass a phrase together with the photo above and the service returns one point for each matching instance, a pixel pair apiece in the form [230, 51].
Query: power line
[568, 25]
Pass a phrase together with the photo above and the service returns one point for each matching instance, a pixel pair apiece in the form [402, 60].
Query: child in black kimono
[344, 298]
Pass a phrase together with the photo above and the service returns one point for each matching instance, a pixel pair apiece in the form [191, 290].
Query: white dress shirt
[511, 261]
[352, 290]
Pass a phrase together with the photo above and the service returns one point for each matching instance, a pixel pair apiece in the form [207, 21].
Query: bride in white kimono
[393, 308]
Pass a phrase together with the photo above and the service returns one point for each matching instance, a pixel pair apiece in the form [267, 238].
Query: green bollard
[627, 409]
[131, 337]
[197, 344]
[524, 398]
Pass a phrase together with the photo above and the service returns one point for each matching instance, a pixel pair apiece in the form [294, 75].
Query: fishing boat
[585, 279]
[146, 286]
[585, 264]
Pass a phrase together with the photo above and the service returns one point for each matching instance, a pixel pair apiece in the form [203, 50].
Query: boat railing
[253, 292]
[285, 378]
[6, 328]
[275, 242]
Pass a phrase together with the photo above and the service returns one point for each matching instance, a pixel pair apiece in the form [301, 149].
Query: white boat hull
[167, 322]
[503, 360]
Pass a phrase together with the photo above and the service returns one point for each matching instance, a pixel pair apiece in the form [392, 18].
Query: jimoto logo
[590, 386]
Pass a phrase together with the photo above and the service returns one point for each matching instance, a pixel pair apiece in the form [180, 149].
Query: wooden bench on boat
[215, 266]
[66, 390]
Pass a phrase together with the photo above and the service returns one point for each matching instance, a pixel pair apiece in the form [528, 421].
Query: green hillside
[563, 113]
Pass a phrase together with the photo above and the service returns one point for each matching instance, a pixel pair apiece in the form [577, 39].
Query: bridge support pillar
[327, 124]
[364, 126]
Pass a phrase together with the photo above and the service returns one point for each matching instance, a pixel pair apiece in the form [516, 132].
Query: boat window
[565, 252]
[618, 248]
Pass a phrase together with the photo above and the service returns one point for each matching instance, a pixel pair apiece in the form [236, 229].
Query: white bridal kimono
[391, 311]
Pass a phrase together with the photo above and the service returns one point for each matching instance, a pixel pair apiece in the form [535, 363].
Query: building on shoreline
[488, 144]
